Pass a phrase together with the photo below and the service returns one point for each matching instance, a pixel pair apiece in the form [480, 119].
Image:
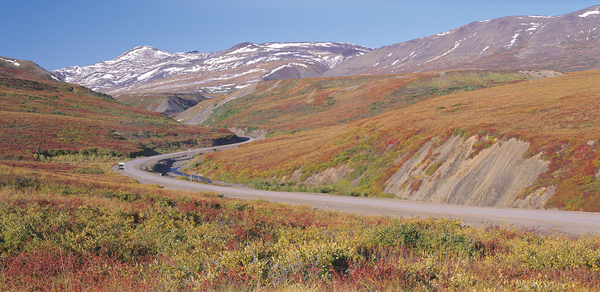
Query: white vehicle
[121, 165]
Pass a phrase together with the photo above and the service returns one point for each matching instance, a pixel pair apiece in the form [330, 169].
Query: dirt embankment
[257, 134]
[460, 171]
[494, 177]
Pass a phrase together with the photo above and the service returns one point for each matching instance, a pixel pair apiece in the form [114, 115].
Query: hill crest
[145, 69]
[562, 43]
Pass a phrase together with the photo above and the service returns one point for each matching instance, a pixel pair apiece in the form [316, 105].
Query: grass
[70, 223]
[298, 105]
[557, 116]
[65, 229]
[48, 118]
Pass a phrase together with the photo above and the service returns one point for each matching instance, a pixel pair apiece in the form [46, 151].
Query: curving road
[568, 223]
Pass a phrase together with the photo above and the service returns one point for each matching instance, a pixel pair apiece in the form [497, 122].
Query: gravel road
[568, 223]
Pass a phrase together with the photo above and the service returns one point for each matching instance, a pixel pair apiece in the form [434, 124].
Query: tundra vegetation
[285, 106]
[46, 119]
[84, 227]
[69, 222]
[557, 116]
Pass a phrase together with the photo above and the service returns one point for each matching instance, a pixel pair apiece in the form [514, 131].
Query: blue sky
[61, 33]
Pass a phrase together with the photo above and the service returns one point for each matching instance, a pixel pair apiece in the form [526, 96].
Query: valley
[568, 223]
[397, 153]
[463, 160]
[45, 117]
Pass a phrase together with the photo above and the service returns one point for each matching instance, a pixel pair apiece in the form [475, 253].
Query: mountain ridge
[562, 43]
[43, 118]
[566, 42]
[135, 70]
[25, 68]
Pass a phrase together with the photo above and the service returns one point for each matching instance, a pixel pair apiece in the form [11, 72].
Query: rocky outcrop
[474, 171]
[536, 199]
[257, 134]
[453, 173]
[167, 108]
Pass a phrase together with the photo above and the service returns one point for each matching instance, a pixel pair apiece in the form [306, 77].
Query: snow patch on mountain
[592, 12]
[145, 68]
[285, 45]
[144, 53]
[484, 49]
[147, 75]
[244, 50]
[534, 27]
[513, 42]
[456, 44]
[13, 62]
[335, 60]
[290, 65]
[448, 32]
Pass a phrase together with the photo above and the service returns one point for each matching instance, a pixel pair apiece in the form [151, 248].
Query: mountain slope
[167, 103]
[148, 70]
[530, 144]
[40, 116]
[563, 43]
[24, 69]
[296, 105]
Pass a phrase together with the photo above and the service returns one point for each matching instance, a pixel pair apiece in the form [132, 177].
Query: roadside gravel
[567, 223]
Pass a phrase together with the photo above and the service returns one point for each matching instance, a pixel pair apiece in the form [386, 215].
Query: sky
[60, 33]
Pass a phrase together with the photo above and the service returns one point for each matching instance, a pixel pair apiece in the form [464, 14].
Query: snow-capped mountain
[149, 70]
[24, 68]
[562, 43]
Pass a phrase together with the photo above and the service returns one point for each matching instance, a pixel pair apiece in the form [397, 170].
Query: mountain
[562, 43]
[149, 70]
[24, 69]
[43, 117]
[281, 106]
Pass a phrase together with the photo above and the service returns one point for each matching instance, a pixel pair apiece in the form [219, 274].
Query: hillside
[472, 116]
[529, 144]
[301, 104]
[75, 224]
[145, 69]
[43, 118]
[25, 69]
[562, 43]
[84, 227]
[166, 103]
